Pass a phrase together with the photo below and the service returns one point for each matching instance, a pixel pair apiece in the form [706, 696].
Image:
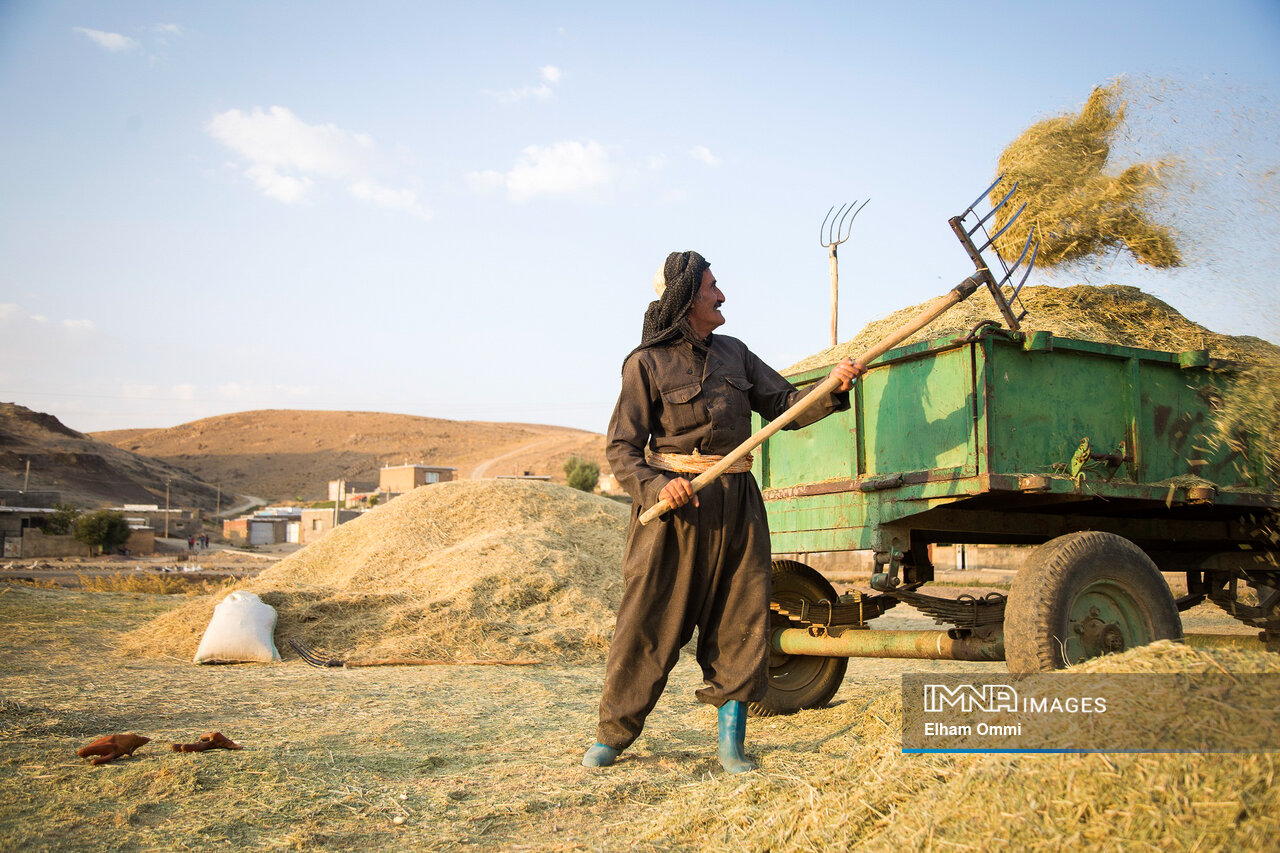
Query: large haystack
[1076, 201]
[469, 569]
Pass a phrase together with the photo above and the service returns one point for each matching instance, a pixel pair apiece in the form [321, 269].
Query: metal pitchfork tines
[310, 655]
[966, 233]
[832, 235]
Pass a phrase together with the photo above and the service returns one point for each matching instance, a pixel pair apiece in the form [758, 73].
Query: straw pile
[1075, 206]
[489, 569]
[877, 798]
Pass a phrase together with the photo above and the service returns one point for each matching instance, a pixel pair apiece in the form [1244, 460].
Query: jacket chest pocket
[682, 408]
[737, 392]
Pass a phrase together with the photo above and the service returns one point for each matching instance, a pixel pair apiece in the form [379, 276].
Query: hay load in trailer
[475, 569]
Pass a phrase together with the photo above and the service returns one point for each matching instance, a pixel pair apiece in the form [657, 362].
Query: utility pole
[26, 477]
[337, 500]
[166, 509]
[218, 512]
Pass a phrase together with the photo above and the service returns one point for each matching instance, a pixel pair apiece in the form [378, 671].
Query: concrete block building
[398, 479]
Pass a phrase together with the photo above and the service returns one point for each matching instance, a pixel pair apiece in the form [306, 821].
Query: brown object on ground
[1076, 208]
[209, 740]
[110, 747]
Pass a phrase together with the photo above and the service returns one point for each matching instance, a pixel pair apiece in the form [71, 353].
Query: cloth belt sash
[694, 463]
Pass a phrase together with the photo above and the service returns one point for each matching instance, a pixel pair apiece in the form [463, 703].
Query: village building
[278, 525]
[22, 535]
[397, 479]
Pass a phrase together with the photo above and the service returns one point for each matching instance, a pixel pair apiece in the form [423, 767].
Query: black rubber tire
[798, 682]
[1071, 572]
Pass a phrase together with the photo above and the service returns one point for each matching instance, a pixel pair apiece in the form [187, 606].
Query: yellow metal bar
[920, 645]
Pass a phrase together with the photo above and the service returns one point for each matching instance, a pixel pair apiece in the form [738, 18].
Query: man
[687, 397]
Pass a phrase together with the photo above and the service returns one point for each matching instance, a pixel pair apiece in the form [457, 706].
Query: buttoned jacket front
[692, 396]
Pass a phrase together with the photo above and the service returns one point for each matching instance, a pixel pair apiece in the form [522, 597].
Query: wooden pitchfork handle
[935, 309]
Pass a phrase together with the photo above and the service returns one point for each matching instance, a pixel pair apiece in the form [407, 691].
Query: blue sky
[455, 209]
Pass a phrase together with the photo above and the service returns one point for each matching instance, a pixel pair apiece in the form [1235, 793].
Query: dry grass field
[457, 757]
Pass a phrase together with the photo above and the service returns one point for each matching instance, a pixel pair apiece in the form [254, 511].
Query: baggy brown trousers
[703, 567]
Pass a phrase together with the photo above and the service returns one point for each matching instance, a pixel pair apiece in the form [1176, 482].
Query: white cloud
[113, 42]
[485, 181]
[563, 168]
[15, 312]
[285, 188]
[550, 76]
[284, 157]
[703, 154]
[404, 200]
[277, 140]
[165, 30]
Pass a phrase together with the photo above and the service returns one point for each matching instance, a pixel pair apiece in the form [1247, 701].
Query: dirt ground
[437, 758]
[212, 566]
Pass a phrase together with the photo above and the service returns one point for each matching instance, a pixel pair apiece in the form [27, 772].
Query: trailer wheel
[1083, 595]
[797, 682]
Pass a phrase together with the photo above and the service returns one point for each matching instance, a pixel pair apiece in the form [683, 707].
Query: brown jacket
[693, 395]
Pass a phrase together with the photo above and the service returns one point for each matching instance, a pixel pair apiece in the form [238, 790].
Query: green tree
[581, 474]
[104, 530]
[59, 524]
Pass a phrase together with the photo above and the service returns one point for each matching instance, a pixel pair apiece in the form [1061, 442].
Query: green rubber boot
[600, 755]
[733, 735]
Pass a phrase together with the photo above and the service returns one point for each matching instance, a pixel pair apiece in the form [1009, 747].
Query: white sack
[239, 631]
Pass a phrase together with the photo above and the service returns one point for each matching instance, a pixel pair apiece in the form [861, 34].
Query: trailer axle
[854, 643]
[938, 645]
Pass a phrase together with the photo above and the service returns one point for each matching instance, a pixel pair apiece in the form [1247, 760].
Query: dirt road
[545, 446]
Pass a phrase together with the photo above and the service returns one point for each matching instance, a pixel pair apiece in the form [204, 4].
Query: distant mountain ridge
[286, 454]
[88, 472]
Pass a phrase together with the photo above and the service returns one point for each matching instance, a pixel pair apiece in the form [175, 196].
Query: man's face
[704, 314]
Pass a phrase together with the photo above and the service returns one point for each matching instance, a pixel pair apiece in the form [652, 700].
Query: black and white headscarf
[676, 284]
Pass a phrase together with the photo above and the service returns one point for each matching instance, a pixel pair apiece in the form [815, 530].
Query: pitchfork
[830, 236]
[984, 274]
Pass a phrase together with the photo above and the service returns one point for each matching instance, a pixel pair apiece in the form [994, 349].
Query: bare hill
[87, 472]
[285, 454]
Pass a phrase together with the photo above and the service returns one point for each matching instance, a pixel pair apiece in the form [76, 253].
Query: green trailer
[1102, 456]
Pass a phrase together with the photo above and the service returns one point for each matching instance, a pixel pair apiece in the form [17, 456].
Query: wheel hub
[1102, 624]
